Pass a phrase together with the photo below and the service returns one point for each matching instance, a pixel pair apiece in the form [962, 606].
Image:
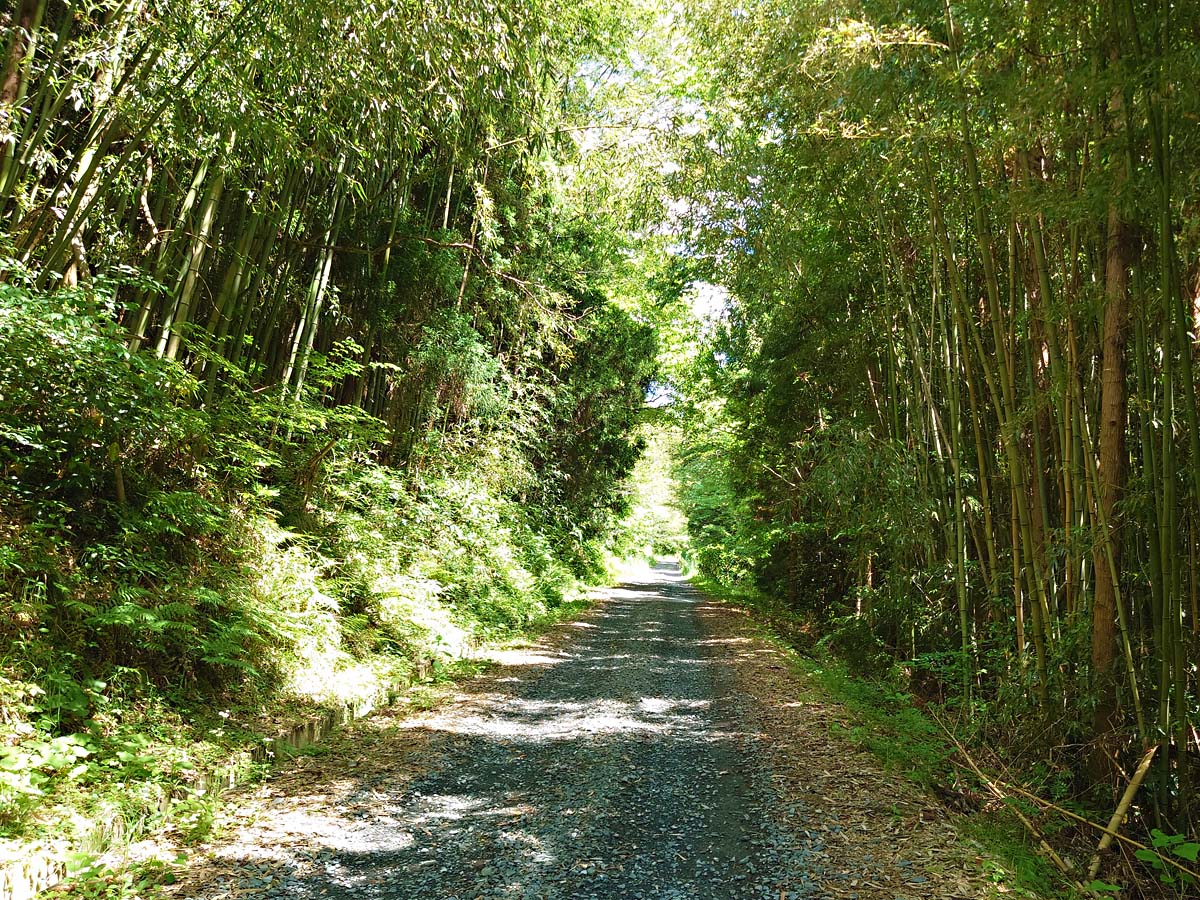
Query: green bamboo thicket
[951, 406]
[314, 360]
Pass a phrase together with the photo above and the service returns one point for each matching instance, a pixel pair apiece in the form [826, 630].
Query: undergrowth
[888, 722]
[182, 580]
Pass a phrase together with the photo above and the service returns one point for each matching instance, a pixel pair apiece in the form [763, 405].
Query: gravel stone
[652, 750]
[621, 767]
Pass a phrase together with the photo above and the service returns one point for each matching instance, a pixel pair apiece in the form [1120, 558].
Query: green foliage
[584, 461]
[857, 645]
[655, 526]
[93, 879]
[25, 768]
[75, 402]
[194, 816]
[1017, 868]
[1176, 845]
[452, 356]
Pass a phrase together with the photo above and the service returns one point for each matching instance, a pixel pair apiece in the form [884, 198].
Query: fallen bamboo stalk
[995, 784]
[1137, 845]
[1118, 815]
[995, 788]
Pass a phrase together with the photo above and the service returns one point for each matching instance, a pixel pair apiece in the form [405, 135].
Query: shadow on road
[611, 760]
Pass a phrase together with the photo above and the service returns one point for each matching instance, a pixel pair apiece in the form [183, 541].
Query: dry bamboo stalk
[1122, 808]
[1137, 845]
[994, 785]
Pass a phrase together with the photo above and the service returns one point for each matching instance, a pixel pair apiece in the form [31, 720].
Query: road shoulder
[884, 838]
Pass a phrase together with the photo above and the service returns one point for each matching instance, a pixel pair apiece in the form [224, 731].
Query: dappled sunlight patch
[715, 642]
[533, 848]
[523, 658]
[449, 808]
[661, 665]
[242, 855]
[338, 679]
[413, 603]
[301, 820]
[663, 705]
[538, 721]
[635, 570]
[514, 810]
[628, 593]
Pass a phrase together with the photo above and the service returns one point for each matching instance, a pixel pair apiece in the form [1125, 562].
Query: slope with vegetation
[314, 361]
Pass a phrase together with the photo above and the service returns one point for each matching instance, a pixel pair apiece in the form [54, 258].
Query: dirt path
[653, 749]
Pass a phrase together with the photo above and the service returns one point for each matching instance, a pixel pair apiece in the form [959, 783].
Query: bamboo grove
[953, 402]
[314, 361]
[273, 184]
[278, 169]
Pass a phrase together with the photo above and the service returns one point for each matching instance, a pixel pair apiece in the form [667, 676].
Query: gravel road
[652, 749]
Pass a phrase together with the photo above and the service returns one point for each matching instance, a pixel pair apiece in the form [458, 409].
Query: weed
[142, 880]
[194, 818]
[1010, 861]
[886, 722]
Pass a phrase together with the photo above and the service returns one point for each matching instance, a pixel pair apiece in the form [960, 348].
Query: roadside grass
[887, 722]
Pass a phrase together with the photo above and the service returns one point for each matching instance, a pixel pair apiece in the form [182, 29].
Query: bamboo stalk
[1118, 816]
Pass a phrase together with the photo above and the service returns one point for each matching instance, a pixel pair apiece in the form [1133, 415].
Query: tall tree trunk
[24, 23]
[1113, 415]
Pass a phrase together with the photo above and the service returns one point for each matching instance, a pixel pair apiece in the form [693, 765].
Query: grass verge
[887, 722]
